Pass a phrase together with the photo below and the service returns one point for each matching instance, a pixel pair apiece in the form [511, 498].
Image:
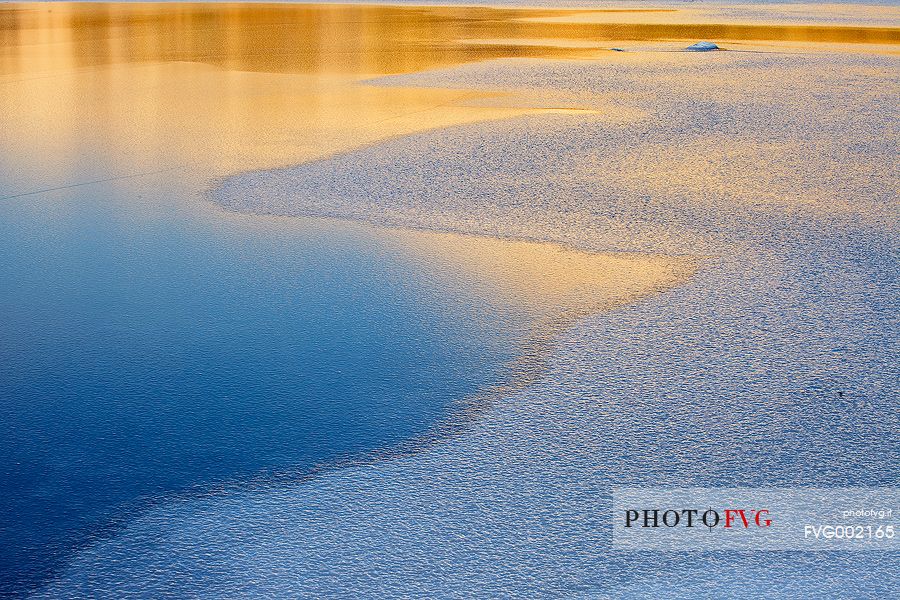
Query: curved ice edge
[524, 370]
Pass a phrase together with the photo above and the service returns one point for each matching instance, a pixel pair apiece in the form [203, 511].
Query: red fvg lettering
[729, 517]
[756, 515]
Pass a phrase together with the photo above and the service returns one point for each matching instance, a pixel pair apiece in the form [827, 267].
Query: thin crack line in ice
[94, 181]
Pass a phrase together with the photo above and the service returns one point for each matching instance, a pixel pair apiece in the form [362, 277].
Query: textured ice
[776, 365]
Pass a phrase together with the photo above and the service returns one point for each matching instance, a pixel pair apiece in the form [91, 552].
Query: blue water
[151, 344]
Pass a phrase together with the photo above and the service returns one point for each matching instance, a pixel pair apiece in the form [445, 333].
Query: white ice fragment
[702, 47]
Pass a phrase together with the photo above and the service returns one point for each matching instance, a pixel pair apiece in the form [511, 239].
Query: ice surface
[776, 365]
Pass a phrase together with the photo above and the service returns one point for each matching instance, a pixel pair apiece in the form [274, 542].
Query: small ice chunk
[702, 47]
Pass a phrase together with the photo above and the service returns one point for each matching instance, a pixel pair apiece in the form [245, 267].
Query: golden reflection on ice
[219, 122]
[229, 87]
[233, 87]
[376, 39]
[553, 282]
